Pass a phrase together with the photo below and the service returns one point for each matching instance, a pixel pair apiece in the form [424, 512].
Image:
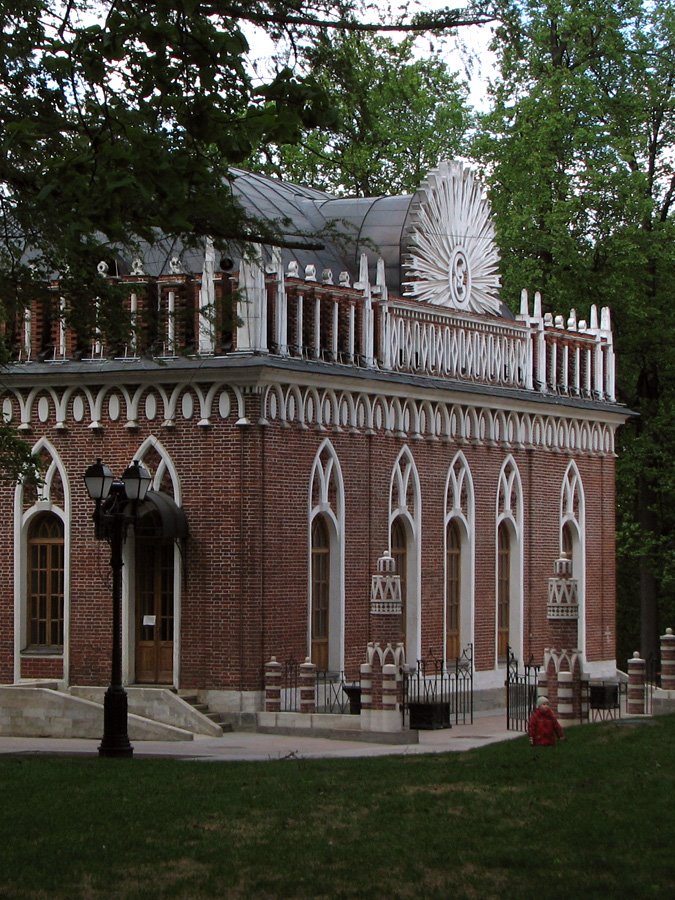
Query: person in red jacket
[543, 728]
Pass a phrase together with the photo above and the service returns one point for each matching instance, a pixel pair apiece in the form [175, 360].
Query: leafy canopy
[580, 147]
[395, 117]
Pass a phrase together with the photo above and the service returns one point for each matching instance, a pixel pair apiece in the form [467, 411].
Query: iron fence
[603, 699]
[437, 693]
[521, 692]
[290, 686]
[333, 692]
[652, 681]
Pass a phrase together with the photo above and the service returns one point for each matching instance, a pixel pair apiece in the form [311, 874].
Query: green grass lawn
[593, 817]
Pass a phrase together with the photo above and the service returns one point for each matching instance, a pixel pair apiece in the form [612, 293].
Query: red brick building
[374, 394]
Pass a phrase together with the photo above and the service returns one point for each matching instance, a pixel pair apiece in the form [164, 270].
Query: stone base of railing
[338, 727]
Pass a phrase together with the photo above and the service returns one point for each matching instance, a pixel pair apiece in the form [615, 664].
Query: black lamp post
[116, 508]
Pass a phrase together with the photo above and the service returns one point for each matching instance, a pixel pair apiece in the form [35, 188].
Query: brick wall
[245, 575]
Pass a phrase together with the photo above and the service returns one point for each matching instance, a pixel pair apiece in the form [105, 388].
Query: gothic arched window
[503, 590]
[320, 593]
[399, 551]
[45, 582]
[453, 592]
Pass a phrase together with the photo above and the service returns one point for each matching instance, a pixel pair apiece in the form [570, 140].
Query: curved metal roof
[343, 229]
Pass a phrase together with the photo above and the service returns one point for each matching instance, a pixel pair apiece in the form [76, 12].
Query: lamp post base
[115, 738]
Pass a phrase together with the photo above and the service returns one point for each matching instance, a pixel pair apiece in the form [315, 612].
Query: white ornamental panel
[452, 258]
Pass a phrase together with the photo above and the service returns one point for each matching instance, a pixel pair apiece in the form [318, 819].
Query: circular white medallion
[114, 407]
[43, 409]
[459, 277]
[449, 237]
[78, 408]
[150, 406]
[187, 405]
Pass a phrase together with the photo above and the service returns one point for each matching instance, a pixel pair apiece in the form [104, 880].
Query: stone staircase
[203, 709]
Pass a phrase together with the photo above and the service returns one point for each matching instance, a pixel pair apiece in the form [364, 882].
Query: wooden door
[154, 611]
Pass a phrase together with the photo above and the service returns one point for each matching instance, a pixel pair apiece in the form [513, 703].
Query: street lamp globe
[136, 479]
[98, 480]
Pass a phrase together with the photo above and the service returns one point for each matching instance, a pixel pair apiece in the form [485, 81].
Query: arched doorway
[160, 526]
[154, 591]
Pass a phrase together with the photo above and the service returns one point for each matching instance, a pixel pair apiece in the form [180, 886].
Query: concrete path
[244, 745]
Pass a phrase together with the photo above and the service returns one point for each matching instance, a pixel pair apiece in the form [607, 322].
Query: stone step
[203, 708]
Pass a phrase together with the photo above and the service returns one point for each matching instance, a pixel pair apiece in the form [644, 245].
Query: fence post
[668, 660]
[307, 682]
[636, 686]
[366, 672]
[273, 685]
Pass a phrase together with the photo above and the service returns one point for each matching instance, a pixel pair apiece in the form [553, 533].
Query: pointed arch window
[453, 590]
[320, 593]
[399, 551]
[567, 540]
[46, 582]
[503, 590]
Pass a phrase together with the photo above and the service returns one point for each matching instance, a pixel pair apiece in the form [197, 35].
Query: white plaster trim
[336, 530]
[412, 519]
[465, 518]
[509, 478]
[21, 524]
[572, 485]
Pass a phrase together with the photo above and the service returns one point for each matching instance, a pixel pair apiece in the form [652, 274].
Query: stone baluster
[636, 686]
[668, 660]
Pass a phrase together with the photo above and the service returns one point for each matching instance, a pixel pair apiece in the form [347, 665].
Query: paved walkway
[244, 745]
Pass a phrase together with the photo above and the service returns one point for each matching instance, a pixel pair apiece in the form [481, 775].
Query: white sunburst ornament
[450, 241]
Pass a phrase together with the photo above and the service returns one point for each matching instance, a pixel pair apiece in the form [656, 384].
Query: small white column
[352, 332]
[27, 333]
[207, 297]
[298, 323]
[317, 328]
[60, 348]
[334, 332]
[252, 307]
[171, 323]
[281, 306]
[133, 316]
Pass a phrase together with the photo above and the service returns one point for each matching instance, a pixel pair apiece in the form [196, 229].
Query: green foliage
[506, 820]
[120, 120]
[395, 118]
[580, 151]
[16, 460]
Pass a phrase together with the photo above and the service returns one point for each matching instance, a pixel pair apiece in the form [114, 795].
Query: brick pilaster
[307, 680]
[565, 709]
[636, 686]
[668, 660]
[273, 685]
